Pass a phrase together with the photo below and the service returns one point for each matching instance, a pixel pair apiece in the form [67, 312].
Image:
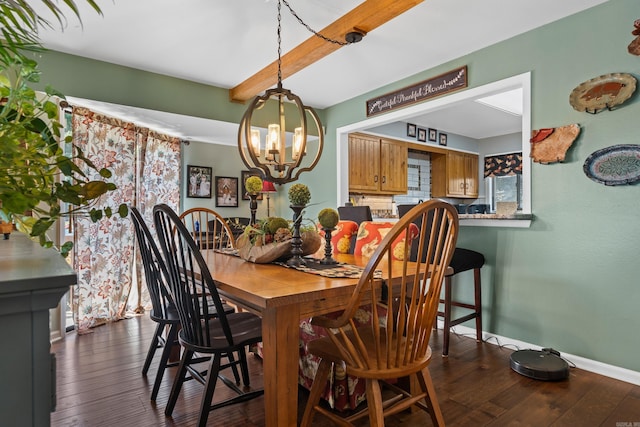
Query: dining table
[282, 296]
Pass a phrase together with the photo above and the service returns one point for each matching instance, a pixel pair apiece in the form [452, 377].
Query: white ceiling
[224, 42]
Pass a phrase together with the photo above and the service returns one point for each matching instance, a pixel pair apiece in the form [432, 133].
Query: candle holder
[328, 249]
[253, 206]
[296, 241]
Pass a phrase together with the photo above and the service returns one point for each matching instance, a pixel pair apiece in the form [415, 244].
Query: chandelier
[279, 158]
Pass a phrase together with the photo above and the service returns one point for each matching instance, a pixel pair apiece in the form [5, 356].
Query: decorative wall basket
[311, 242]
[604, 92]
[551, 145]
[615, 165]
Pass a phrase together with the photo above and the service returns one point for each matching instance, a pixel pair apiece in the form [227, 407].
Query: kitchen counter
[495, 220]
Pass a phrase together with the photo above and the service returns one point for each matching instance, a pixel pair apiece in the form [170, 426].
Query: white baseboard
[594, 366]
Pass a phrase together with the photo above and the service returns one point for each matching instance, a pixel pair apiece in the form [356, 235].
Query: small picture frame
[199, 181]
[433, 134]
[422, 135]
[411, 130]
[243, 178]
[443, 139]
[226, 191]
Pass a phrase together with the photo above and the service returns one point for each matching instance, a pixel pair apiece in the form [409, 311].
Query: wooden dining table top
[282, 296]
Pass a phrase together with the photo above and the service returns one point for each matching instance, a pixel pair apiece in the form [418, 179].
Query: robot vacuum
[545, 364]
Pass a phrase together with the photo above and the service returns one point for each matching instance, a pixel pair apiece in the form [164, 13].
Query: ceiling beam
[365, 17]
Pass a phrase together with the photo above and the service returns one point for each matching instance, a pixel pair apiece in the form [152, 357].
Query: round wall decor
[602, 92]
[615, 165]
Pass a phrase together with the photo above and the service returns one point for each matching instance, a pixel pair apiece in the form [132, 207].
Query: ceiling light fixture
[268, 152]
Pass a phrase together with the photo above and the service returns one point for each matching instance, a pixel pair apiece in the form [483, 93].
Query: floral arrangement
[269, 239]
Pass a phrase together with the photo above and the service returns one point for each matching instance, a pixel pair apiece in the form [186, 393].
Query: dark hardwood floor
[99, 383]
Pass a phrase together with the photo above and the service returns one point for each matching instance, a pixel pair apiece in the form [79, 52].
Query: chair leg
[209, 388]
[155, 343]
[318, 385]
[374, 401]
[447, 315]
[164, 359]
[187, 355]
[244, 367]
[234, 368]
[424, 378]
[478, 303]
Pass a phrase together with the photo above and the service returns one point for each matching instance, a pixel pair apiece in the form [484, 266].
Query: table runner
[339, 270]
[313, 266]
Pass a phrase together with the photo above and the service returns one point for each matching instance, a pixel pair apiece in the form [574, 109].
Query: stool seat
[465, 259]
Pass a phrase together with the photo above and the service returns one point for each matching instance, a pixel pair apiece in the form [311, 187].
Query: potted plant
[35, 173]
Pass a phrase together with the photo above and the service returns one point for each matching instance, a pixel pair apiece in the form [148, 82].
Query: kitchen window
[503, 177]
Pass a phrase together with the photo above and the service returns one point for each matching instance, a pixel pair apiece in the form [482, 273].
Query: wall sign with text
[444, 83]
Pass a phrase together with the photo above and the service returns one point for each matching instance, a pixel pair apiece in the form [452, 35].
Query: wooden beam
[365, 17]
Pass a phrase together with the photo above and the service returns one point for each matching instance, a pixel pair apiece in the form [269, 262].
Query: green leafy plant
[35, 173]
[299, 195]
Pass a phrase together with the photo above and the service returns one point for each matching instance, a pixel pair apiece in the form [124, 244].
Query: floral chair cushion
[371, 233]
[341, 237]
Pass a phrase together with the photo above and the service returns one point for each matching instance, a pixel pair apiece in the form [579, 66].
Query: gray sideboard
[32, 280]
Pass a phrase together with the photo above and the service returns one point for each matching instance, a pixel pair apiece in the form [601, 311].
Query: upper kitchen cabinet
[377, 165]
[454, 174]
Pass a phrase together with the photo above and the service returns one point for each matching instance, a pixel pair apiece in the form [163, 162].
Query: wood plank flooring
[99, 383]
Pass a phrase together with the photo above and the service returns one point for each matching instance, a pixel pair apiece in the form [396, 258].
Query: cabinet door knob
[384, 179]
[375, 178]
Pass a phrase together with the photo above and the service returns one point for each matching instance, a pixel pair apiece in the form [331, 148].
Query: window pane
[506, 188]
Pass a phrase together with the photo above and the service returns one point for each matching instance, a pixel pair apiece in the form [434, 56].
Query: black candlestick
[253, 207]
[328, 249]
[296, 242]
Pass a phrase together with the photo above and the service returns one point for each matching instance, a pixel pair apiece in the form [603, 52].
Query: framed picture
[243, 178]
[422, 135]
[226, 191]
[411, 130]
[199, 181]
[433, 134]
[443, 138]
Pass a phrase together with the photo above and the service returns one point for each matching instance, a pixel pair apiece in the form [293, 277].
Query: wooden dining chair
[208, 228]
[395, 344]
[200, 333]
[462, 260]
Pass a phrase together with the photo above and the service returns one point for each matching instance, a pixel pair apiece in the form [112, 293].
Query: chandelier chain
[338, 42]
[279, 45]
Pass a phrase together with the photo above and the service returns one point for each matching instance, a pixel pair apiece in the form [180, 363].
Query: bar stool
[463, 260]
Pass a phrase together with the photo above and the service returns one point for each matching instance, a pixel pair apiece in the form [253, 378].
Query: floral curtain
[503, 165]
[159, 182]
[141, 161]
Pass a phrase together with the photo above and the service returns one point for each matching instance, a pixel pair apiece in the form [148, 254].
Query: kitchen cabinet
[454, 174]
[377, 165]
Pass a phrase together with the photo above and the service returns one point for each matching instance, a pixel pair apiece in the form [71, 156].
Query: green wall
[571, 281]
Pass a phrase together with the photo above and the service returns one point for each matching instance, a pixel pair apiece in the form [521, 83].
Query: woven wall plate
[602, 92]
[615, 165]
